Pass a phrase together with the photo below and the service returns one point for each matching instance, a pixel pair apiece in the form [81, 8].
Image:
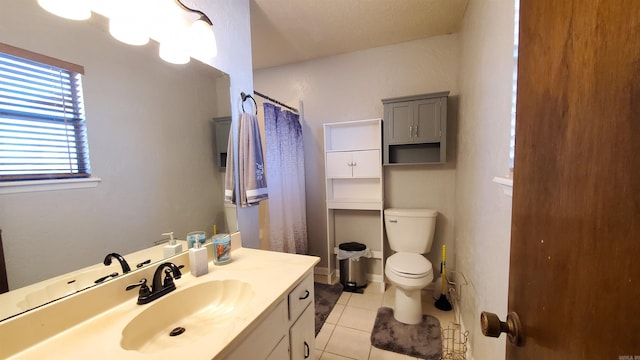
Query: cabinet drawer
[300, 297]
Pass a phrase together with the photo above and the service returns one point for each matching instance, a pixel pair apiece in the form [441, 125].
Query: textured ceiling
[289, 31]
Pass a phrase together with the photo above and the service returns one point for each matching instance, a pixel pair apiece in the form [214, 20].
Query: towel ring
[244, 98]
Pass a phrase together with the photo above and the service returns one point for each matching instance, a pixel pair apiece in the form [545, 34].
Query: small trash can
[353, 265]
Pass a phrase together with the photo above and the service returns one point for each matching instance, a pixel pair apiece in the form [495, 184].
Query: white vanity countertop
[270, 274]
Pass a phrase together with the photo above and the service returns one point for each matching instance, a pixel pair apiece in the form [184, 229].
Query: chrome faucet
[159, 287]
[121, 260]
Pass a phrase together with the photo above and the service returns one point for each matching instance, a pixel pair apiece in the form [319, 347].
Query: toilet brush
[443, 303]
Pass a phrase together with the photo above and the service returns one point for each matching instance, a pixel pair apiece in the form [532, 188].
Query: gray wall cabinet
[222, 128]
[415, 129]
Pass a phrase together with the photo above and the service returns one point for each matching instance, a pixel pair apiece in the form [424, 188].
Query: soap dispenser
[173, 248]
[198, 260]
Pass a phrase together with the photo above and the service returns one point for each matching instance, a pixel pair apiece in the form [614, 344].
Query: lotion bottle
[173, 248]
[198, 260]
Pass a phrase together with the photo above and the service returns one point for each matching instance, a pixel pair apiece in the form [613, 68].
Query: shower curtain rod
[275, 101]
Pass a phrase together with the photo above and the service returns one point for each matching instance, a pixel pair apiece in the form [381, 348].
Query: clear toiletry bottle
[173, 248]
[198, 259]
[196, 236]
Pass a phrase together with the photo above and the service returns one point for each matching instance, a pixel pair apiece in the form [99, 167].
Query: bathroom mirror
[152, 142]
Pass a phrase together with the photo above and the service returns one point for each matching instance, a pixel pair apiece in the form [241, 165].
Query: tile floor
[347, 331]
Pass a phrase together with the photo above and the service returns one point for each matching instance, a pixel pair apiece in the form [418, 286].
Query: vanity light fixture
[128, 26]
[68, 9]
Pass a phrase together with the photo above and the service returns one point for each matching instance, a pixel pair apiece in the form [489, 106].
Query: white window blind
[514, 88]
[42, 125]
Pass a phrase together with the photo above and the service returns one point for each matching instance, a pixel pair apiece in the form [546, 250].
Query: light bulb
[203, 40]
[128, 30]
[68, 9]
[174, 50]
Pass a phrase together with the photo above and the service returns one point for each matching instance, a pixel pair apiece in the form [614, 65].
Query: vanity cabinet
[287, 332]
[302, 319]
[415, 129]
[354, 191]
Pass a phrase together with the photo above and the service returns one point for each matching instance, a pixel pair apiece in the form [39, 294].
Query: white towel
[251, 176]
[229, 179]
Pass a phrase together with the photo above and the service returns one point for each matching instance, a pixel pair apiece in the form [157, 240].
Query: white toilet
[410, 234]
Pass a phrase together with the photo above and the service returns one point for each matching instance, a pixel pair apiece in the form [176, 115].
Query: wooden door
[575, 247]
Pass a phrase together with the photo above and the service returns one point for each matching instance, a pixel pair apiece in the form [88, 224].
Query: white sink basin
[201, 310]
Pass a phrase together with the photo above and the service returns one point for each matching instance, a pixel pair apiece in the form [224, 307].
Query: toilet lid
[409, 265]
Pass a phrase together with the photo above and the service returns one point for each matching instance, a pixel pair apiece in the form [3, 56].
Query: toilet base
[408, 306]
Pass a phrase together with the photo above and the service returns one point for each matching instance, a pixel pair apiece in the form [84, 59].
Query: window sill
[47, 185]
[506, 183]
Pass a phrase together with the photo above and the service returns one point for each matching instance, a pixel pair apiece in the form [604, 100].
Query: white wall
[126, 211]
[350, 87]
[483, 212]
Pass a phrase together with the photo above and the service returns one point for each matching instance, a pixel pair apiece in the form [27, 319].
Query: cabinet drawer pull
[410, 131]
[307, 351]
[416, 130]
[306, 295]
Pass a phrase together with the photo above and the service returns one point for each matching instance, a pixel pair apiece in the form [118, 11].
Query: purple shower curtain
[286, 187]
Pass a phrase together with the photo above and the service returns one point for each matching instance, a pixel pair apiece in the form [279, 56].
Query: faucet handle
[168, 280]
[144, 289]
[139, 265]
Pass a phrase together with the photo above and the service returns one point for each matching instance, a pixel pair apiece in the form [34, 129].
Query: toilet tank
[410, 230]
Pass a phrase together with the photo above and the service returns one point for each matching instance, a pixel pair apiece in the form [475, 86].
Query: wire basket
[454, 343]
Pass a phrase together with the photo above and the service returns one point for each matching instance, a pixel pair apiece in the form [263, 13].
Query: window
[514, 89]
[42, 126]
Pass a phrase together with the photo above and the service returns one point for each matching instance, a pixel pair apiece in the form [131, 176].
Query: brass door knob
[492, 326]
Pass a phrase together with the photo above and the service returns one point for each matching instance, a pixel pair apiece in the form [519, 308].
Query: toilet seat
[409, 265]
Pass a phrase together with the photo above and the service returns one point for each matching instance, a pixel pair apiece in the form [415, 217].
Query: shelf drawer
[300, 297]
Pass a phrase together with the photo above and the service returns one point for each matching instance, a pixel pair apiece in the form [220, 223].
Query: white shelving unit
[354, 190]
